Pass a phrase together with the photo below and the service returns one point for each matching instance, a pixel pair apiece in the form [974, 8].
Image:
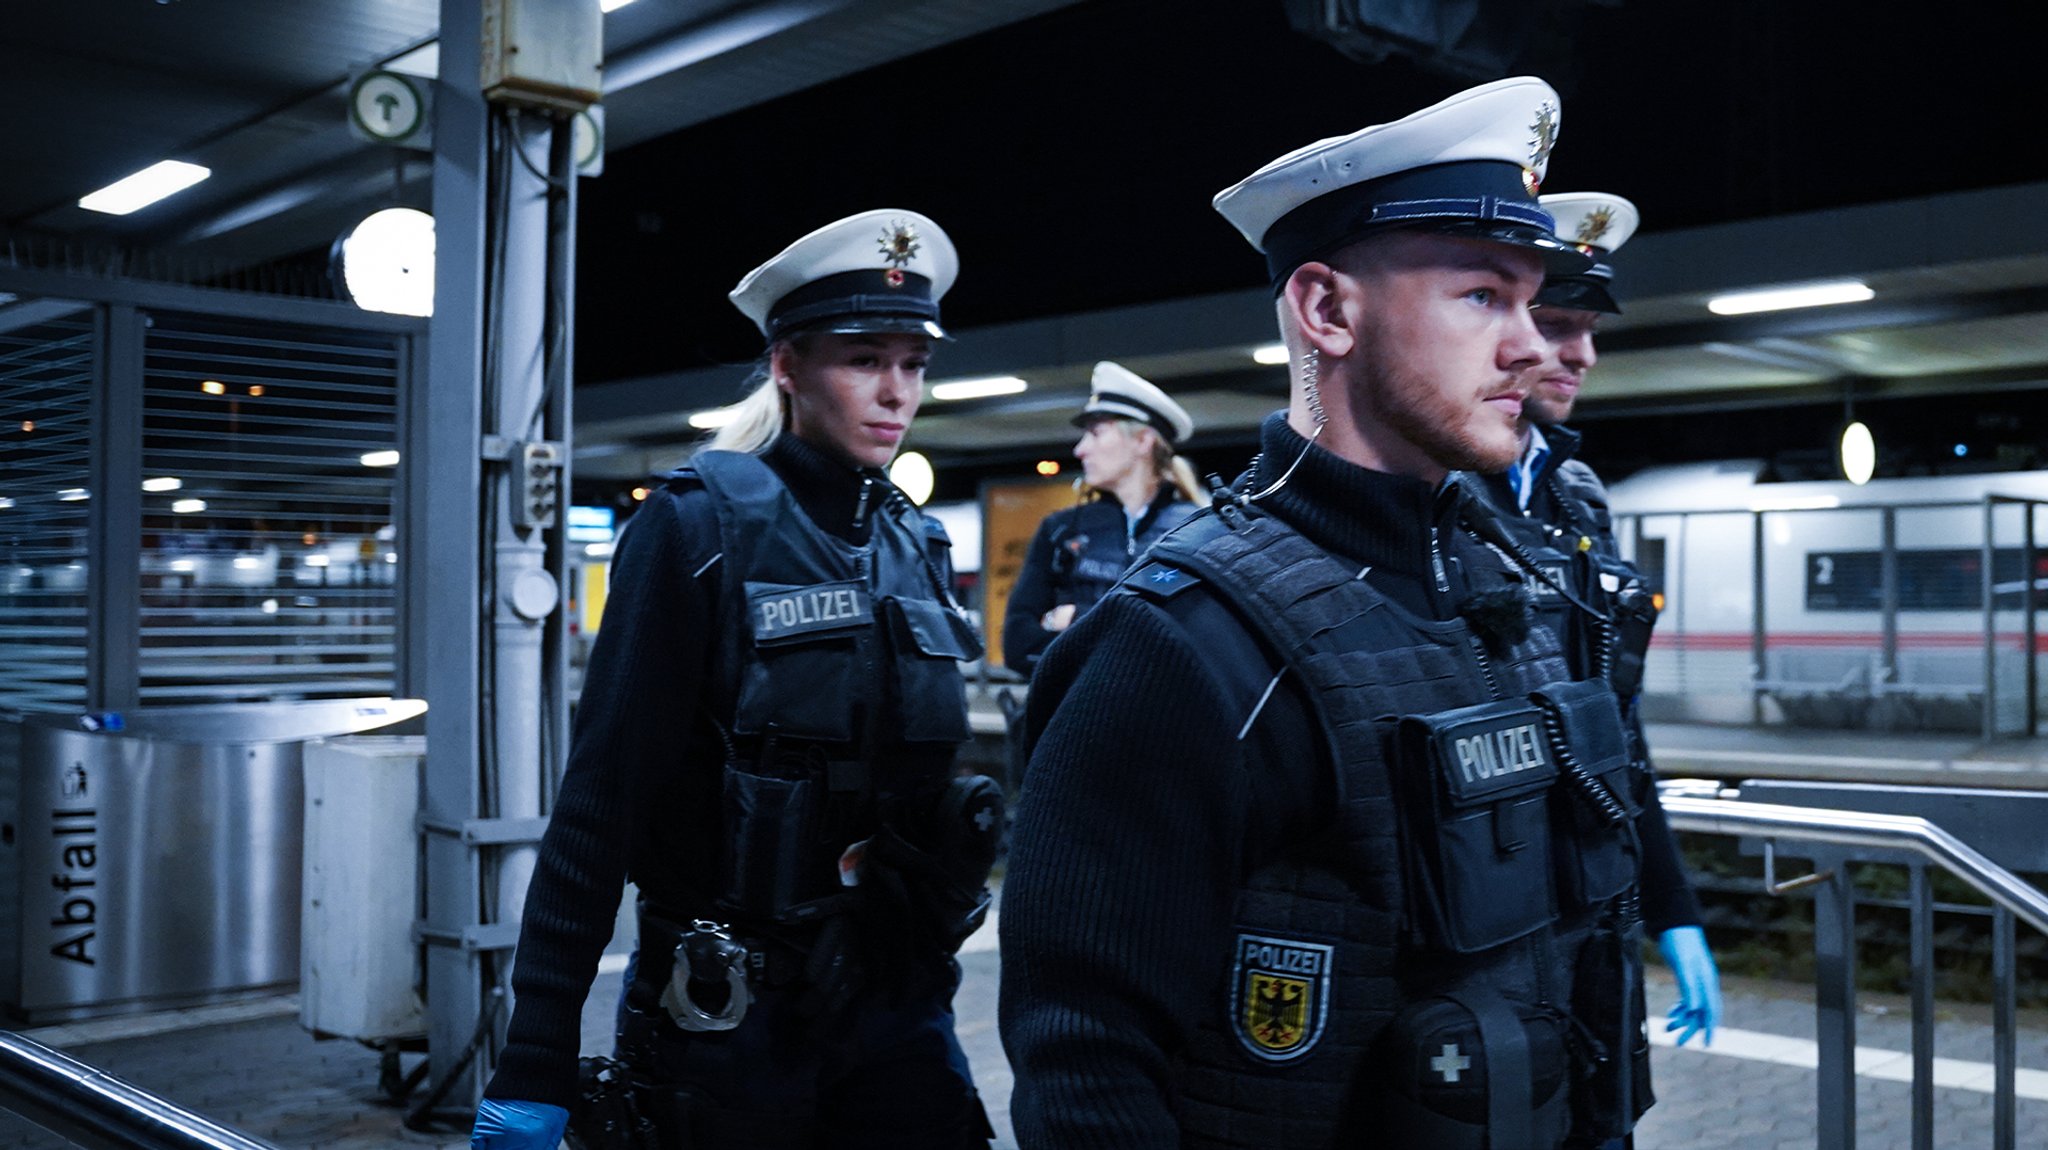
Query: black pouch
[1594, 804]
[617, 1109]
[1479, 836]
[1607, 1001]
[1469, 1071]
[930, 641]
[768, 857]
[806, 658]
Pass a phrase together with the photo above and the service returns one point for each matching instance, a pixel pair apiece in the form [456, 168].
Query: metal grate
[45, 427]
[268, 556]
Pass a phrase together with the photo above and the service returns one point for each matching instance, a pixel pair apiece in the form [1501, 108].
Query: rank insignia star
[899, 245]
[1542, 135]
[1595, 225]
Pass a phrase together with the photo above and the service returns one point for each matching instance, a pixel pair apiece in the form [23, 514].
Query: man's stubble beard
[1423, 415]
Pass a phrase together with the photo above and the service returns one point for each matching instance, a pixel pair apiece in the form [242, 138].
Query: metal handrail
[1858, 829]
[1834, 837]
[99, 1111]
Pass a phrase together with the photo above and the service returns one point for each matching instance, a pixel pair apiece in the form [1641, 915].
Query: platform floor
[252, 1067]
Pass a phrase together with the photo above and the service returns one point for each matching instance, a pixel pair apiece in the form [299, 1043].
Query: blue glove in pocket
[1698, 1010]
[508, 1124]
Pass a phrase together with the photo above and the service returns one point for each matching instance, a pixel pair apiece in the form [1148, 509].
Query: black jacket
[640, 798]
[1077, 555]
[1150, 800]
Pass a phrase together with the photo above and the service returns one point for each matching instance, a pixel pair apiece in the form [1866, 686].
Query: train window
[1930, 579]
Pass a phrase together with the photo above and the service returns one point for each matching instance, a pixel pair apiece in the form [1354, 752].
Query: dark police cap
[1470, 165]
[1596, 223]
[879, 271]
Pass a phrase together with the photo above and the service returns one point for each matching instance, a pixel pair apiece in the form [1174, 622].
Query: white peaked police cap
[879, 271]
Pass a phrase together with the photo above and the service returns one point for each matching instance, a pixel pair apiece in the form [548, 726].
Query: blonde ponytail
[758, 418]
[1182, 475]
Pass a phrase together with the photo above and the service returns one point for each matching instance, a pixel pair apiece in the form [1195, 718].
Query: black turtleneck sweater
[639, 798]
[1143, 811]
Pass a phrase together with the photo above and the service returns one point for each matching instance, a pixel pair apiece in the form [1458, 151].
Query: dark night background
[1072, 158]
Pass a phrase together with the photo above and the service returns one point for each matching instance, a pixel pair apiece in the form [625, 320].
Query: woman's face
[853, 396]
[1111, 450]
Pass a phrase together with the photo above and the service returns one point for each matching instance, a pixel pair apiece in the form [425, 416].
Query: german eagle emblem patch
[1279, 995]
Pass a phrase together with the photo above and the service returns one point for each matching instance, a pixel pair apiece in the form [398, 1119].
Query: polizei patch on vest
[780, 614]
[1498, 751]
[1279, 995]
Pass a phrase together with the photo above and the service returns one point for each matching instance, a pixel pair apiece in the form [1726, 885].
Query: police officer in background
[1557, 508]
[765, 745]
[1320, 844]
[1138, 490]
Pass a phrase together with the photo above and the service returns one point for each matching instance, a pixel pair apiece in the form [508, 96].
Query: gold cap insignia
[1595, 225]
[899, 245]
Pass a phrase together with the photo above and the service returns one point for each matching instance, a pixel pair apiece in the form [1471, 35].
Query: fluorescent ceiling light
[73, 494]
[316, 560]
[188, 506]
[163, 483]
[6, 502]
[598, 550]
[380, 459]
[978, 388]
[153, 183]
[183, 565]
[1271, 354]
[247, 562]
[1795, 295]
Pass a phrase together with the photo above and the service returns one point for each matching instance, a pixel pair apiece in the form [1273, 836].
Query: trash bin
[159, 852]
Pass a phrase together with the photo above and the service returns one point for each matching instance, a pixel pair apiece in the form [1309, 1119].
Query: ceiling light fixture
[1271, 354]
[153, 183]
[163, 483]
[912, 474]
[386, 263]
[978, 388]
[213, 387]
[188, 506]
[1818, 294]
[380, 459]
[1858, 453]
[73, 495]
[715, 418]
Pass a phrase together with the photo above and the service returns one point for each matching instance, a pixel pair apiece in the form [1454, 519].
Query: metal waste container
[158, 852]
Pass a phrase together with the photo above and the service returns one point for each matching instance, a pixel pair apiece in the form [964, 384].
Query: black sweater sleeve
[1131, 832]
[647, 664]
[1034, 594]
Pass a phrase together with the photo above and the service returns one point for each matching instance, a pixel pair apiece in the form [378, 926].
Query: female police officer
[1139, 490]
[765, 746]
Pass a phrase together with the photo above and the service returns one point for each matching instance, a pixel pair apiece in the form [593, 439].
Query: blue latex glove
[506, 1124]
[1698, 1009]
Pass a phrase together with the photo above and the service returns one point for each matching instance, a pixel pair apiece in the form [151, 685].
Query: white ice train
[1873, 608]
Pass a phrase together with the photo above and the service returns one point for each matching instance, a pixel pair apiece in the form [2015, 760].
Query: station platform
[251, 1066]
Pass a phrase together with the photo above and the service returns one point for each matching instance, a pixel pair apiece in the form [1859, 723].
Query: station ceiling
[1071, 148]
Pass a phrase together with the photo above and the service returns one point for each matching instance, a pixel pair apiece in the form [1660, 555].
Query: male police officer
[1558, 509]
[1243, 909]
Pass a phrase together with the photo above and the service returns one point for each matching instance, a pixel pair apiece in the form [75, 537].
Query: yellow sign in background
[1010, 514]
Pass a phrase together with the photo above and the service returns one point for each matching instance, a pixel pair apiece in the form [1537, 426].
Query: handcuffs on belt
[707, 957]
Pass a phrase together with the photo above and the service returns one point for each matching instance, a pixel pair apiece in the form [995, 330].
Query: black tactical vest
[1094, 546]
[822, 634]
[1331, 942]
[840, 682]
